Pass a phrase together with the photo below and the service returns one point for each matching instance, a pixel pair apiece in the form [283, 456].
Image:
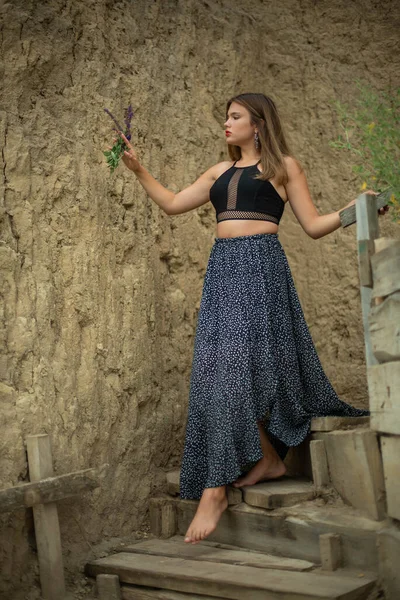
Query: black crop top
[236, 195]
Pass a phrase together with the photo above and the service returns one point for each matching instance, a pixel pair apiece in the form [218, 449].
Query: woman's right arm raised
[172, 204]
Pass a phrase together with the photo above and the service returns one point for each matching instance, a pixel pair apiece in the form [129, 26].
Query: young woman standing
[256, 379]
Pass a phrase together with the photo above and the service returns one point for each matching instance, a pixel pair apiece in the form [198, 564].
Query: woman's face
[238, 125]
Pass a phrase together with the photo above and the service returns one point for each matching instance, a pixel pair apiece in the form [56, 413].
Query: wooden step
[172, 477]
[233, 582]
[208, 551]
[138, 592]
[285, 491]
[292, 531]
[334, 423]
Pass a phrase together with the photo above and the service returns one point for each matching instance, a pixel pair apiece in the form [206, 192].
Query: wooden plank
[228, 581]
[348, 215]
[366, 249]
[47, 529]
[356, 471]
[389, 552]
[50, 489]
[367, 229]
[177, 548]
[384, 397]
[384, 326]
[386, 271]
[333, 423]
[279, 492]
[295, 535]
[134, 592]
[108, 587]
[390, 448]
[319, 464]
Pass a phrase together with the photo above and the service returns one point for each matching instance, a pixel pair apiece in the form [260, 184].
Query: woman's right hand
[129, 156]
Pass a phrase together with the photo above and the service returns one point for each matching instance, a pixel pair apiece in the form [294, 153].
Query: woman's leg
[214, 500]
[269, 467]
[212, 504]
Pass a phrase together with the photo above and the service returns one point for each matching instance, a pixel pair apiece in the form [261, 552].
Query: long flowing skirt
[254, 360]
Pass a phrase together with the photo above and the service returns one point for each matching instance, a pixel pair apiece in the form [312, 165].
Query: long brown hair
[274, 147]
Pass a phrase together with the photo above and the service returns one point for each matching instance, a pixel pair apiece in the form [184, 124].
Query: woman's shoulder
[293, 165]
[224, 164]
[221, 167]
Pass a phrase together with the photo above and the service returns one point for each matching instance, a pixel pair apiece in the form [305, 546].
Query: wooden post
[45, 516]
[367, 230]
[319, 464]
[168, 520]
[330, 548]
[155, 506]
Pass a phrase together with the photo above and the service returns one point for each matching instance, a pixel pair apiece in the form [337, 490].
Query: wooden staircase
[287, 539]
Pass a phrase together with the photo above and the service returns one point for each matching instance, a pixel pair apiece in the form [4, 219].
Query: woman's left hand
[381, 211]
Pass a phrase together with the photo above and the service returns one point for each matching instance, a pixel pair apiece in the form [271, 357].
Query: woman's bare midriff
[237, 227]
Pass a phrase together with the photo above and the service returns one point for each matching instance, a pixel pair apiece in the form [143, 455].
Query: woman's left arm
[315, 225]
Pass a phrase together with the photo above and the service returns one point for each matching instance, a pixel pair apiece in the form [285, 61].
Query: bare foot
[212, 504]
[263, 470]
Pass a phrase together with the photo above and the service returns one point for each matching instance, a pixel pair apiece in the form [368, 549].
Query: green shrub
[371, 133]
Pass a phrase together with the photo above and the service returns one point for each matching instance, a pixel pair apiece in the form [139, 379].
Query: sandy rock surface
[100, 288]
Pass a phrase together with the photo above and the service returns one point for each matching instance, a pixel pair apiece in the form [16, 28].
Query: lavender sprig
[113, 118]
[114, 155]
[127, 120]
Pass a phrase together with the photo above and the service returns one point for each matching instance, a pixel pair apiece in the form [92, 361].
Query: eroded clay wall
[100, 289]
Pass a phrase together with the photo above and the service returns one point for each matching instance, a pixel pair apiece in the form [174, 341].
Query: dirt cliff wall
[100, 289]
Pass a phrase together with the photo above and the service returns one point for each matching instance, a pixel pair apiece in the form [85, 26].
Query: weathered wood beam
[384, 396]
[348, 215]
[47, 528]
[367, 229]
[385, 266]
[384, 326]
[50, 489]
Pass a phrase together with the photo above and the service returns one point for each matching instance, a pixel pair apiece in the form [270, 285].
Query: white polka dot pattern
[253, 358]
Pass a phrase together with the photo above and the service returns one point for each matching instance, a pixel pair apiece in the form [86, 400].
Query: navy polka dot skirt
[254, 360]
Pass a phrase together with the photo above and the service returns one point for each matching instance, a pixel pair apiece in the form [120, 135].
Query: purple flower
[114, 119]
[127, 120]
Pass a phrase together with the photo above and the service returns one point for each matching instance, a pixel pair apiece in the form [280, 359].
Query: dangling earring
[256, 140]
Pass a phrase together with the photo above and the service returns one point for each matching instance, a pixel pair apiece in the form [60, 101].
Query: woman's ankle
[215, 491]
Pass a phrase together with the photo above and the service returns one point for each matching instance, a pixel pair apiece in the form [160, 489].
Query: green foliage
[113, 156]
[371, 133]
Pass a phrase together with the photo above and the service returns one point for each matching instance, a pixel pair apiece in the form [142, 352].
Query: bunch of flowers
[371, 133]
[113, 155]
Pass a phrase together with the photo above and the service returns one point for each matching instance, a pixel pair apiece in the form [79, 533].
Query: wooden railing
[365, 214]
[379, 268]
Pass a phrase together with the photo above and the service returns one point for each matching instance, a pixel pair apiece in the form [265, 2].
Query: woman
[256, 379]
